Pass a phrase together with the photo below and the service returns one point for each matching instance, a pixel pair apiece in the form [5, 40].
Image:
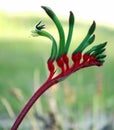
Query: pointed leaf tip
[48, 11]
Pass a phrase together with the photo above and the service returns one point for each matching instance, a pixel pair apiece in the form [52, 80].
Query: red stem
[32, 100]
[51, 81]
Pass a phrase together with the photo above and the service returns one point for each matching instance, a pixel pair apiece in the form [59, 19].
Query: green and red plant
[59, 56]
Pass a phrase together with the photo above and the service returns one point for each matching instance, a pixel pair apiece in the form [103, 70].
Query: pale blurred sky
[98, 10]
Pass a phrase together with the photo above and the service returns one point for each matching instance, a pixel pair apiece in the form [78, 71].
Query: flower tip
[48, 11]
[39, 26]
[105, 43]
[71, 12]
[94, 22]
[46, 8]
[93, 37]
[101, 61]
[39, 22]
[92, 28]
[43, 7]
[71, 18]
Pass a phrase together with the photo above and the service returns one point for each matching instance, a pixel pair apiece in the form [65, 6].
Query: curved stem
[32, 100]
[49, 82]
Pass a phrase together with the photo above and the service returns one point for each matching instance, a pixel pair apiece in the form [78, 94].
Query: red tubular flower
[80, 59]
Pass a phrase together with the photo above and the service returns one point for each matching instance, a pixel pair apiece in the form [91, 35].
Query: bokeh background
[85, 100]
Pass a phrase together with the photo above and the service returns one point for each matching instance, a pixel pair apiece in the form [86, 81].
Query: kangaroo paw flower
[93, 57]
[80, 59]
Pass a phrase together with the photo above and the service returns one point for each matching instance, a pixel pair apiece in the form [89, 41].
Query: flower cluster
[80, 59]
[92, 57]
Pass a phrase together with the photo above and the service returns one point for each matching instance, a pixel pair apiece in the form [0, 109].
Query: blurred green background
[88, 93]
